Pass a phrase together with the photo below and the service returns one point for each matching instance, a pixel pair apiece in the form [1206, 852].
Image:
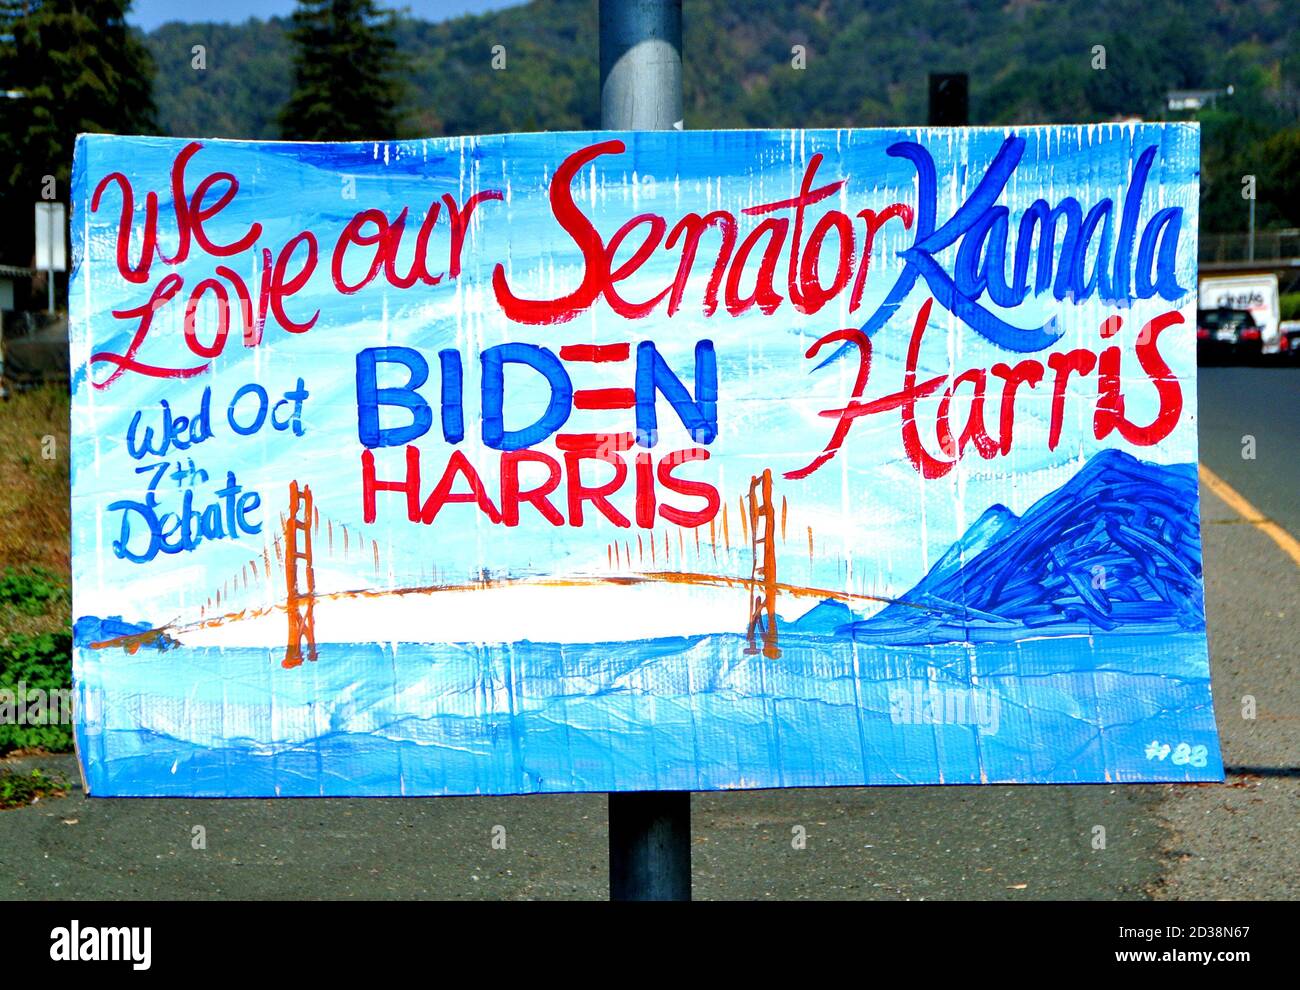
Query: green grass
[34, 591]
[35, 605]
[35, 669]
[20, 789]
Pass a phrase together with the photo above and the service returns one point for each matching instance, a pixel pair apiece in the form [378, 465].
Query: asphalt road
[1236, 840]
[1247, 411]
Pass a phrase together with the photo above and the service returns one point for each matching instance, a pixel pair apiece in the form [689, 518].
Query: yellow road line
[1290, 546]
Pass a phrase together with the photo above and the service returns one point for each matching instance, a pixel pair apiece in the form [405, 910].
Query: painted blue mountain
[1117, 547]
[824, 618]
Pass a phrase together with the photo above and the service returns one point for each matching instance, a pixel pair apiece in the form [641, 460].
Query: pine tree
[346, 82]
[67, 66]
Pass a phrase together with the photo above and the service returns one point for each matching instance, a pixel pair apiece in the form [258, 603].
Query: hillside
[866, 65]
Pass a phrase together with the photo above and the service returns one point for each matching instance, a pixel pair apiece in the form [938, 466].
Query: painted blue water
[684, 713]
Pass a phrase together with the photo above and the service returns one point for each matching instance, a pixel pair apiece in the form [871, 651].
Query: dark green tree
[66, 66]
[346, 82]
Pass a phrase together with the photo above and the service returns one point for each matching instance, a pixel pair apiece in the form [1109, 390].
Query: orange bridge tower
[300, 579]
[762, 583]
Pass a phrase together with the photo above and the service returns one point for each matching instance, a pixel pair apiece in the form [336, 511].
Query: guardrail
[1270, 245]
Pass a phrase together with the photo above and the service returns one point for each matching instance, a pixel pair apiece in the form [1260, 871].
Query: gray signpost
[51, 244]
[641, 89]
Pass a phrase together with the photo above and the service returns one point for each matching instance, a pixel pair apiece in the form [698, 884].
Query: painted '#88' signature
[1183, 754]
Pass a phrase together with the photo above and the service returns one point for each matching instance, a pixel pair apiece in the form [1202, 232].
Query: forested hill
[866, 64]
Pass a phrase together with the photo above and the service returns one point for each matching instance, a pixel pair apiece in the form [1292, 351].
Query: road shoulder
[1241, 839]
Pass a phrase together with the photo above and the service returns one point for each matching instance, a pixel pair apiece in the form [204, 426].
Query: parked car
[1289, 339]
[1225, 332]
[1255, 292]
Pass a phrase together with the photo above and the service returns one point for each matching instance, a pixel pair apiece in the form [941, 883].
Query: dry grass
[34, 495]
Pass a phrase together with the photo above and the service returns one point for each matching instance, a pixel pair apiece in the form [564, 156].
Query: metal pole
[650, 846]
[641, 89]
[641, 65]
[49, 275]
[1251, 247]
[949, 99]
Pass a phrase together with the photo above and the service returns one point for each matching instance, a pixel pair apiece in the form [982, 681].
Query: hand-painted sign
[561, 462]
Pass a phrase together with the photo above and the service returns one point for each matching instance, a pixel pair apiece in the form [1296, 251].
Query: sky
[149, 14]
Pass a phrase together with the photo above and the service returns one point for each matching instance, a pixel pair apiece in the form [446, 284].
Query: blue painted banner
[615, 461]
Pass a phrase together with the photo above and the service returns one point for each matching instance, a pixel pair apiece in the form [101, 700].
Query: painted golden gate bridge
[762, 526]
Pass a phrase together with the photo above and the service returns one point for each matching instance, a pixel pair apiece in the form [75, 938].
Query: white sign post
[51, 244]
